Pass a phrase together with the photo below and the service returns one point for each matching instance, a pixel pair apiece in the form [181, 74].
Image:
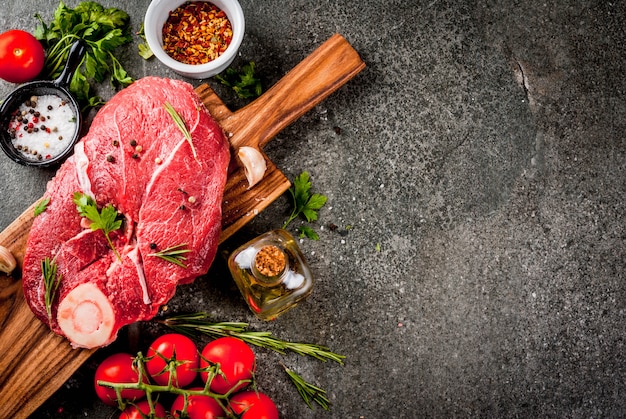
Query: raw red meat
[137, 159]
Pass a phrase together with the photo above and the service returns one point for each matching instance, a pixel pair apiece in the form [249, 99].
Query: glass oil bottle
[271, 273]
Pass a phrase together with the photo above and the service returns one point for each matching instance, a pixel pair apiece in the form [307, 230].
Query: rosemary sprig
[51, 283]
[199, 323]
[308, 391]
[178, 120]
[174, 254]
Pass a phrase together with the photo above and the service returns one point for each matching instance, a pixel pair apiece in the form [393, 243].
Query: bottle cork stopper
[270, 261]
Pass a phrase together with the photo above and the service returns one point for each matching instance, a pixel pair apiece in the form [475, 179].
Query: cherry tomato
[236, 359]
[141, 410]
[253, 405]
[21, 56]
[178, 348]
[198, 407]
[117, 368]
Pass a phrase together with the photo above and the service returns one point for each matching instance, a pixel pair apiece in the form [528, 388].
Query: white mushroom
[253, 163]
[7, 260]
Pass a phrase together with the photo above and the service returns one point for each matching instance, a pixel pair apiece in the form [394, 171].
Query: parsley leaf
[105, 220]
[102, 29]
[244, 82]
[144, 49]
[41, 206]
[305, 203]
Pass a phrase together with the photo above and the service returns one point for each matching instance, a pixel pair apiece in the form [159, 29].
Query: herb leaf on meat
[41, 206]
[174, 254]
[102, 29]
[51, 283]
[182, 126]
[105, 220]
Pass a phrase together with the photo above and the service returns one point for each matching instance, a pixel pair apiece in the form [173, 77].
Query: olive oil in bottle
[271, 273]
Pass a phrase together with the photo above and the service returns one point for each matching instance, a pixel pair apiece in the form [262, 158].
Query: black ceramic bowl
[58, 87]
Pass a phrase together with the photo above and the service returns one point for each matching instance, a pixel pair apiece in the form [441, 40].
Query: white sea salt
[45, 130]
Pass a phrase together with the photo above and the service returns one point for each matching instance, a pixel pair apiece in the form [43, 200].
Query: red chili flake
[196, 32]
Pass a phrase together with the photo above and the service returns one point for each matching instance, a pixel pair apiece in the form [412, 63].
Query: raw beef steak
[168, 192]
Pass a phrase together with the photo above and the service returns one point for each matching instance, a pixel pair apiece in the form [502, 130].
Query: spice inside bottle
[271, 274]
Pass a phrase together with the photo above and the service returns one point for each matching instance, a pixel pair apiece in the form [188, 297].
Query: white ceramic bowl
[156, 15]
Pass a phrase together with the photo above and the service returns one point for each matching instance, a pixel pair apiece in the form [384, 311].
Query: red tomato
[177, 348]
[198, 407]
[253, 405]
[236, 359]
[117, 368]
[21, 56]
[141, 410]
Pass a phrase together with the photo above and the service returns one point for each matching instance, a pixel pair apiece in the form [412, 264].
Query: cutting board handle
[321, 73]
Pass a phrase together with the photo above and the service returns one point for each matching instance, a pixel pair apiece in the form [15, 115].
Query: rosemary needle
[51, 283]
[174, 254]
[308, 391]
[199, 323]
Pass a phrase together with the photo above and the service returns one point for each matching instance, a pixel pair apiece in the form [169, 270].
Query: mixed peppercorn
[196, 32]
[40, 131]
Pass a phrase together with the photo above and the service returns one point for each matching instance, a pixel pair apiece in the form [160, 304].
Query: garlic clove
[253, 163]
[7, 260]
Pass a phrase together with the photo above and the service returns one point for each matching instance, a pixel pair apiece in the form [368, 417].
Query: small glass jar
[271, 273]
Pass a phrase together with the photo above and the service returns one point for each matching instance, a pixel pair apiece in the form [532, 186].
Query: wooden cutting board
[34, 362]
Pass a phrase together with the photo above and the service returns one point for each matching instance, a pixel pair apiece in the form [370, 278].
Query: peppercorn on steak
[133, 213]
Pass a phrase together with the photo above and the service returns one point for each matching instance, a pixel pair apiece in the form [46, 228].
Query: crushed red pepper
[196, 32]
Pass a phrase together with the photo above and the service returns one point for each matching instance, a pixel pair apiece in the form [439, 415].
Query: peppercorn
[110, 158]
[133, 143]
[153, 246]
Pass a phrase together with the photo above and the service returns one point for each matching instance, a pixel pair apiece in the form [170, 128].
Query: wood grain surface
[34, 362]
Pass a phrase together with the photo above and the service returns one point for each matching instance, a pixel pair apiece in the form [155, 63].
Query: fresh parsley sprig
[102, 29]
[174, 254]
[305, 203]
[244, 82]
[105, 219]
[51, 283]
